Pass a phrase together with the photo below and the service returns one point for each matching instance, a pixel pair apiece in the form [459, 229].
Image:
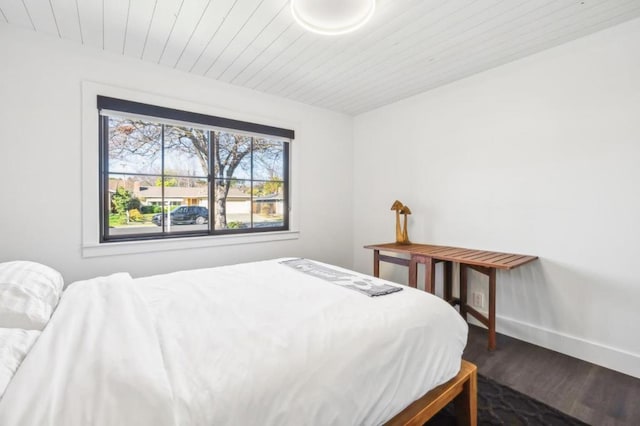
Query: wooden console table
[485, 262]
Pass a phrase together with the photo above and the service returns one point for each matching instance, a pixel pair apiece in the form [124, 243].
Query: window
[169, 173]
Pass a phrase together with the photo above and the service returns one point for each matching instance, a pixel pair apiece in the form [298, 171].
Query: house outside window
[169, 173]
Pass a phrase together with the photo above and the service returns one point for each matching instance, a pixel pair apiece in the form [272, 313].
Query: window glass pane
[233, 204]
[268, 159]
[268, 211]
[188, 201]
[128, 211]
[135, 146]
[186, 151]
[232, 156]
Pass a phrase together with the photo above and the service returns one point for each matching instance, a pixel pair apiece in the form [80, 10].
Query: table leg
[413, 272]
[430, 275]
[447, 275]
[376, 263]
[463, 291]
[492, 309]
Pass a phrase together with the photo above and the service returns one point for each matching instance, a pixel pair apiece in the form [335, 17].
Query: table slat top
[488, 259]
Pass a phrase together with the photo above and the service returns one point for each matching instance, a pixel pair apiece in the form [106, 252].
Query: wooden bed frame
[462, 389]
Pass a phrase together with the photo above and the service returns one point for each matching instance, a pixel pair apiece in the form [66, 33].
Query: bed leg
[466, 404]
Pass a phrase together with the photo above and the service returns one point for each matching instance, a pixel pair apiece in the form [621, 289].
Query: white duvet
[251, 344]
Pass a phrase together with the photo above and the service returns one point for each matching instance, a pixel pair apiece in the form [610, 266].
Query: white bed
[249, 344]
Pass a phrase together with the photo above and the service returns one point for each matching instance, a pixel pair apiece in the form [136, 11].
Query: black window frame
[221, 124]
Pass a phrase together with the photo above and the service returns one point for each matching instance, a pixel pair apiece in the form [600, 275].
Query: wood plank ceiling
[410, 46]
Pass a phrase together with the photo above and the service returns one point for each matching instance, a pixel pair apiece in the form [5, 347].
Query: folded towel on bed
[366, 285]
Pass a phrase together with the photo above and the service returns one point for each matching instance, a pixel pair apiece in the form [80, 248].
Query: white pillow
[14, 345]
[29, 292]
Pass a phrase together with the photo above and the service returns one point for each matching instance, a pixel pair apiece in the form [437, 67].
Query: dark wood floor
[591, 393]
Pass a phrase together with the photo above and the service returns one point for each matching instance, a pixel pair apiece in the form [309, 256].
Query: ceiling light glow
[332, 17]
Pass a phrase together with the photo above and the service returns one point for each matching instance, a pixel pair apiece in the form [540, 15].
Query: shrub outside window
[169, 173]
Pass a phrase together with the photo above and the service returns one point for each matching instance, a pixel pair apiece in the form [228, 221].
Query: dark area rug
[501, 405]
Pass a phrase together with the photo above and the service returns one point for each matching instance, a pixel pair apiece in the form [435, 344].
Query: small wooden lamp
[402, 235]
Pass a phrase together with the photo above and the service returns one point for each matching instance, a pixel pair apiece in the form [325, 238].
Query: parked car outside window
[184, 215]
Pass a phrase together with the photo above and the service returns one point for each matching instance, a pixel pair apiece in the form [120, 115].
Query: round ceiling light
[332, 17]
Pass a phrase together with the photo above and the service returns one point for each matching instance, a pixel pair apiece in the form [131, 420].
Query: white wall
[541, 156]
[40, 159]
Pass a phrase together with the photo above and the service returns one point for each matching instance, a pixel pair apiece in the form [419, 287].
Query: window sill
[132, 247]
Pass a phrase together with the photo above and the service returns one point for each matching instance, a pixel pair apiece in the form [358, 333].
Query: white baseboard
[596, 353]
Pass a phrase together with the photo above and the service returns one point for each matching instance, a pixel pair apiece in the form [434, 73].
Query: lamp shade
[332, 17]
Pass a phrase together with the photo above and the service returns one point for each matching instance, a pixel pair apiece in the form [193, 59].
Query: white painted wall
[540, 156]
[40, 159]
